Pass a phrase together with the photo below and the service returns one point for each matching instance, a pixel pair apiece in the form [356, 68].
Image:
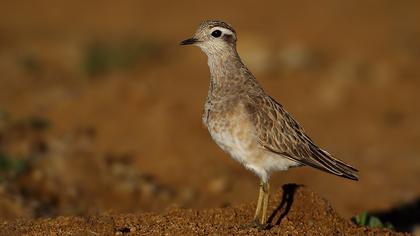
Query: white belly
[241, 144]
[238, 148]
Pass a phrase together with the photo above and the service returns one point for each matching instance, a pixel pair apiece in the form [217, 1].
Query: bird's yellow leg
[266, 192]
[257, 216]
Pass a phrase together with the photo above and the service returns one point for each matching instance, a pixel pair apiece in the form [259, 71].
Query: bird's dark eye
[216, 33]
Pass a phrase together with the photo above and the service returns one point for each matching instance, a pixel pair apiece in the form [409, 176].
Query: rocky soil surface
[295, 210]
[100, 112]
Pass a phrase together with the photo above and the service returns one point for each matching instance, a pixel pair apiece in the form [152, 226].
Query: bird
[247, 123]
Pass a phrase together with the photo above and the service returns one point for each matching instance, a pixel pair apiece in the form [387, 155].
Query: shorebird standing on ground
[250, 125]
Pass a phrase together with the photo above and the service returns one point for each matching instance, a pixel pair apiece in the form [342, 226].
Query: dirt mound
[102, 112]
[295, 211]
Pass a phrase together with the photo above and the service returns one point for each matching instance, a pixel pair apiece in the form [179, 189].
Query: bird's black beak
[189, 41]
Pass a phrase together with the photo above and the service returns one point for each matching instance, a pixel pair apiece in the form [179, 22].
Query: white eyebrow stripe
[224, 30]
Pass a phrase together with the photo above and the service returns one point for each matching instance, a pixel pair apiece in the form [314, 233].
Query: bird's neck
[227, 68]
[229, 77]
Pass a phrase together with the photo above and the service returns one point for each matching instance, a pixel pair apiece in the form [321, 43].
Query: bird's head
[213, 37]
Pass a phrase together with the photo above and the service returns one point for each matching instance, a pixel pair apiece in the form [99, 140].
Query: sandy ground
[289, 216]
[82, 135]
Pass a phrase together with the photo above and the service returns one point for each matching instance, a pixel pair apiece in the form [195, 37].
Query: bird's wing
[278, 132]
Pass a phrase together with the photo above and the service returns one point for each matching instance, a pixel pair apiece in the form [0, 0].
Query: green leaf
[375, 222]
[361, 218]
[368, 220]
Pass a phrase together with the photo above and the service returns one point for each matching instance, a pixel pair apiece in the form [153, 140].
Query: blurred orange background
[100, 108]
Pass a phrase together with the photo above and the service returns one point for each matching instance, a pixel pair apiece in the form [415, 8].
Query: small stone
[187, 195]
[219, 185]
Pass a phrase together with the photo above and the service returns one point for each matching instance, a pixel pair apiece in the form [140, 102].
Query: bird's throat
[225, 66]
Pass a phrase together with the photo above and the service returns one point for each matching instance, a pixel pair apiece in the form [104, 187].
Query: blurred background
[100, 108]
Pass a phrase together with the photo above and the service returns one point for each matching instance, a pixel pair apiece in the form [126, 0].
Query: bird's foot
[262, 226]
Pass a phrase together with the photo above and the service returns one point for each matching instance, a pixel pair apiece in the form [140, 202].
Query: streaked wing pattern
[279, 133]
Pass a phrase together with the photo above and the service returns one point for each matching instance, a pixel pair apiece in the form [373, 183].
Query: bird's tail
[332, 165]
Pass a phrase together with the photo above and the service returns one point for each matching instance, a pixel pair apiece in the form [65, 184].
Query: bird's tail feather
[332, 165]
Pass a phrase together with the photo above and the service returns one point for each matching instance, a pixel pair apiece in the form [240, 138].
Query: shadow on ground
[403, 217]
[286, 203]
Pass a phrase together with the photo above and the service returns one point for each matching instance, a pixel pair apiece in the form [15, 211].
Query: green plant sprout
[368, 220]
